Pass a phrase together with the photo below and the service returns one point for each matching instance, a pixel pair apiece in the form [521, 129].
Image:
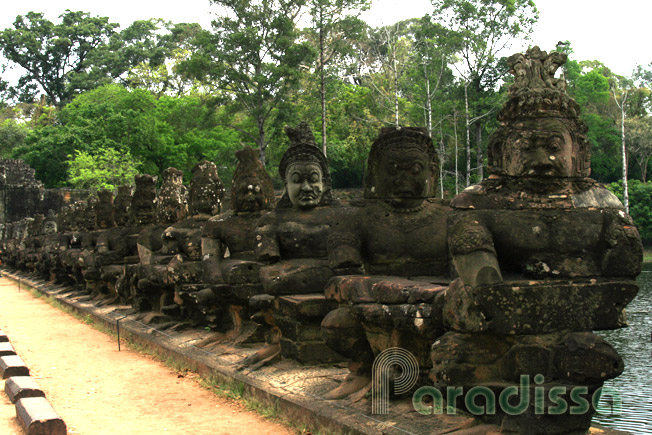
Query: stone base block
[6, 349]
[308, 351]
[37, 416]
[3, 337]
[12, 365]
[20, 387]
[297, 330]
[305, 306]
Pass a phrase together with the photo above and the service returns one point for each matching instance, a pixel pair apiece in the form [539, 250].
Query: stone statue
[228, 243]
[399, 237]
[183, 241]
[292, 242]
[544, 255]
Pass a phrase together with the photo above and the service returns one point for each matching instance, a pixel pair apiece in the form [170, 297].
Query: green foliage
[640, 206]
[78, 54]
[253, 55]
[107, 168]
[12, 135]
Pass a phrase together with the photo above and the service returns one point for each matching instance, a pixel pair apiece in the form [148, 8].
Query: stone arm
[212, 253]
[344, 250]
[472, 249]
[266, 244]
[623, 253]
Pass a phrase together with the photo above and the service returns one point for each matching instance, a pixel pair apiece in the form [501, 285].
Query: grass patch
[647, 256]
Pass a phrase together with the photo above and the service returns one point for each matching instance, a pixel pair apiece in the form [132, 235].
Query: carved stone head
[304, 169]
[50, 224]
[104, 213]
[541, 134]
[143, 203]
[88, 214]
[251, 189]
[35, 227]
[402, 167]
[206, 190]
[172, 197]
[122, 204]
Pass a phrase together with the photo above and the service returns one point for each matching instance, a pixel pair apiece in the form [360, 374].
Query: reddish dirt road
[98, 390]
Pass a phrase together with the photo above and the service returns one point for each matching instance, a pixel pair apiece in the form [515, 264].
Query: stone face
[12, 365]
[37, 416]
[19, 387]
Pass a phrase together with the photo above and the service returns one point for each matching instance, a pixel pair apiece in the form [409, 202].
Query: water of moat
[635, 345]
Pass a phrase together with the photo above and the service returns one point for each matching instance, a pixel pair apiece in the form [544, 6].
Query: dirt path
[98, 390]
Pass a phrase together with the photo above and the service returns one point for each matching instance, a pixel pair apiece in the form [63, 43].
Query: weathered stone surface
[297, 276]
[6, 349]
[302, 306]
[308, 351]
[573, 358]
[19, 387]
[12, 365]
[534, 307]
[297, 330]
[37, 416]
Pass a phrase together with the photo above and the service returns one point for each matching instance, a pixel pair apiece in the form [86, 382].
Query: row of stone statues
[508, 279]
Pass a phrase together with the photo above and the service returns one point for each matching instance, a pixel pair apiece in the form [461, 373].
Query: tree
[12, 135]
[334, 21]
[106, 168]
[52, 53]
[254, 57]
[80, 53]
[484, 29]
[640, 142]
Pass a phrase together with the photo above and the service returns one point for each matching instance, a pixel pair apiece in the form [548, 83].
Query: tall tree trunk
[468, 135]
[261, 143]
[624, 155]
[644, 170]
[441, 160]
[322, 82]
[428, 103]
[457, 175]
[478, 153]
[396, 92]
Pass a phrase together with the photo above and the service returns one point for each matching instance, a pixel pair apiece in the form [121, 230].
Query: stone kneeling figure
[291, 242]
[544, 256]
[399, 236]
[228, 258]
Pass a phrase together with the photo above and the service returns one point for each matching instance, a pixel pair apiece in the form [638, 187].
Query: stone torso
[404, 244]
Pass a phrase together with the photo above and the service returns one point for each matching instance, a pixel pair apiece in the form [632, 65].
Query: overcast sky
[613, 32]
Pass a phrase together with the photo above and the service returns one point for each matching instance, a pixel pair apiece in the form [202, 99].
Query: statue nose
[541, 157]
[305, 185]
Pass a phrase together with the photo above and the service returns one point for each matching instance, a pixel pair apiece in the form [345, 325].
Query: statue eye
[296, 178]
[392, 168]
[257, 188]
[416, 168]
[314, 177]
[555, 144]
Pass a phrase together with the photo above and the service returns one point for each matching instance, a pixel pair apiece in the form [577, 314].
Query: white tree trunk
[468, 135]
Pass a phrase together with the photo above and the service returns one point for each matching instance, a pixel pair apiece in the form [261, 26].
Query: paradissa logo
[480, 400]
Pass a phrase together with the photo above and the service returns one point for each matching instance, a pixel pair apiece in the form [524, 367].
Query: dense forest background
[96, 104]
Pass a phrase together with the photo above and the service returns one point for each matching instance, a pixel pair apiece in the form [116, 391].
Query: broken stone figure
[183, 241]
[228, 257]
